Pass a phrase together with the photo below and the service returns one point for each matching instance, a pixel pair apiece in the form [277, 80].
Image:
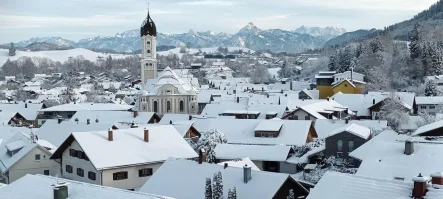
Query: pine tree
[332, 62]
[208, 188]
[359, 50]
[345, 60]
[218, 185]
[12, 50]
[234, 193]
[437, 61]
[230, 194]
[431, 89]
[291, 194]
[414, 45]
[376, 45]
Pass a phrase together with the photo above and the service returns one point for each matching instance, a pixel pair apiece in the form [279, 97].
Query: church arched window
[149, 43]
[155, 106]
[168, 106]
[149, 51]
[182, 106]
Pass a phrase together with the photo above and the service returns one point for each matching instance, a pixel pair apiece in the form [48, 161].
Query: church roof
[169, 77]
[148, 27]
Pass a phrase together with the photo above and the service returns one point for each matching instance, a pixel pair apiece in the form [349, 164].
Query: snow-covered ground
[273, 72]
[56, 55]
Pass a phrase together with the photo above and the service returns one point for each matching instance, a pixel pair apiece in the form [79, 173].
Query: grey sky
[77, 19]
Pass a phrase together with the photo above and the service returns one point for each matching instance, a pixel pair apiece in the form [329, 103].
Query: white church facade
[163, 92]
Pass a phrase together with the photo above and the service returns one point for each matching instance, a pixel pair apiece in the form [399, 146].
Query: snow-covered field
[57, 55]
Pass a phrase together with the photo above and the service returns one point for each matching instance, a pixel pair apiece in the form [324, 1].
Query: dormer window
[14, 147]
[268, 128]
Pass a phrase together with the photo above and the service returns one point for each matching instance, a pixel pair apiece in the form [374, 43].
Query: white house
[123, 158]
[431, 105]
[348, 75]
[48, 187]
[21, 154]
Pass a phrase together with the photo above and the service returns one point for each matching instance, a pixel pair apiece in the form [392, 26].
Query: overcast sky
[77, 19]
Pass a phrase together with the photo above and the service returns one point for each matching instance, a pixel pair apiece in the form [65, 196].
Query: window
[145, 172]
[69, 168]
[307, 117]
[168, 106]
[120, 175]
[80, 155]
[295, 117]
[86, 158]
[431, 107]
[149, 51]
[423, 107]
[149, 43]
[91, 175]
[155, 106]
[346, 85]
[340, 145]
[46, 172]
[37, 157]
[263, 134]
[182, 106]
[351, 145]
[80, 172]
[72, 153]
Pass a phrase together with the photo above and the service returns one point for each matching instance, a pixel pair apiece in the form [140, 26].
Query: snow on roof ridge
[353, 128]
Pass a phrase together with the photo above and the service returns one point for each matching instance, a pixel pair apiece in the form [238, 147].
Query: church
[163, 92]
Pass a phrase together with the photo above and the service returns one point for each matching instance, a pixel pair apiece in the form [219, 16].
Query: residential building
[430, 105]
[19, 114]
[342, 141]
[248, 183]
[66, 111]
[118, 117]
[21, 154]
[334, 185]
[330, 83]
[123, 158]
[325, 127]
[316, 109]
[434, 129]
[48, 187]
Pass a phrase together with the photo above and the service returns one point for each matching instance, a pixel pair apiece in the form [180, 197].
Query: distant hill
[44, 46]
[349, 36]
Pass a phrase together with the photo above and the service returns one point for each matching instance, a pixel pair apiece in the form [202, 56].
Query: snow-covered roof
[88, 107]
[432, 100]
[114, 116]
[241, 163]
[315, 107]
[129, 148]
[241, 131]
[324, 127]
[173, 117]
[177, 175]
[29, 111]
[383, 157]
[214, 110]
[334, 185]
[355, 129]
[41, 187]
[169, 77]
[429, 127]
[276, 153]
[269, 125]
[12, 146]
[305, 157]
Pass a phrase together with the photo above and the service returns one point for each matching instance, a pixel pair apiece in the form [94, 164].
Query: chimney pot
[409, 147]
[201, 156]
[110, 134]
[60, 190]
[226, 165]
[238, 99]
[134, 125]
[60, 120]
[327, 99]
[419, 186]
[135, 114]
[190, 117]
[96, 120]
[437, 178]
[146, 134]
[88, 121]
[26, 105]
[246, 173]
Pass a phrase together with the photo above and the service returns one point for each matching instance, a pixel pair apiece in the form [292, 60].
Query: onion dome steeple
[148, 27]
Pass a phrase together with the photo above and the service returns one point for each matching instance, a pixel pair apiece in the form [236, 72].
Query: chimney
[419, 186]
[238, 100]
[26, 105]
[409, 147]
[347, 120]
[225, 165]
[327, 99]
[201, 156]
[246, 173]
[60, 120]
[60, 190]
[373, 101]
[190, 117]
[437, 178]
[135, 114]
[146, 135]
[88, 121]
[170, 121]
[290, 86]
[134, 125]
[110, 134]
[96, 120]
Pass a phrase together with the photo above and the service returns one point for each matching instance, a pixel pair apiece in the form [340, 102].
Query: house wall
[287, 185]
[347, 75]
[435, 132]
[190, 103]
[325, 91]
[332, 146]
[28, 165]
[302, 115]
[429, 108]
[133, 182]
[78, 163]
[346, 88]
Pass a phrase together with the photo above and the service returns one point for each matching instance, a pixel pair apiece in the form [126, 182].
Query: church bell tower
[148, 33]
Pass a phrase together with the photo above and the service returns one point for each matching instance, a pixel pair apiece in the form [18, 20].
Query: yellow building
[324, 83]
[347, 87]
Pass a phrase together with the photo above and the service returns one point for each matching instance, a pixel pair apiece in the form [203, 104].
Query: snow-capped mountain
[318, 32]
[250, 36]
[50, 40]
